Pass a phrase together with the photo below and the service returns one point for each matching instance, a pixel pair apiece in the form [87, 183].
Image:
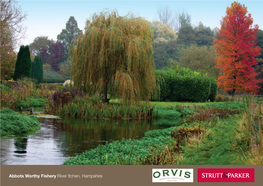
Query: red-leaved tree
[236, 51]
[44, 55]
[57, 54]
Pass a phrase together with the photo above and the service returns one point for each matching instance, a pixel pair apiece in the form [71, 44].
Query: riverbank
[210, 138]
[14, 123]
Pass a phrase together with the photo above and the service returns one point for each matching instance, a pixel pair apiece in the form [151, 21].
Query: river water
[60, 139]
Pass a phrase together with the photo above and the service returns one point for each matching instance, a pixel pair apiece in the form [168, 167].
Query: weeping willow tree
[115, 56]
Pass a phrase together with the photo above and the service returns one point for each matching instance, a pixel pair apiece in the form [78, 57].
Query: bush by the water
[15, 123]
[184, 85]
[31, 102]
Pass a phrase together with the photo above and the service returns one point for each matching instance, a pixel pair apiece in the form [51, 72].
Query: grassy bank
[206, 137]
[14, 123]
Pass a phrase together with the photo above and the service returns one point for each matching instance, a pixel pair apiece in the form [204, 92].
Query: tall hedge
[184, 85]
[23, 63]
[37, 69]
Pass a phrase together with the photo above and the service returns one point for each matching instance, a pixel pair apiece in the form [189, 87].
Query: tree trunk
[234, 90]
[105, 99]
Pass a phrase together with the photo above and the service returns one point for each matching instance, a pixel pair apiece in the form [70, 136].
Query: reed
[89, 110]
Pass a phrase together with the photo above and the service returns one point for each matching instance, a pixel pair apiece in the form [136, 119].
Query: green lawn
[171, 104]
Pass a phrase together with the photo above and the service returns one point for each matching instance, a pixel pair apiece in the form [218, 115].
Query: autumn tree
[44, 55]
[67, 35]
[115, 56]
[236, 50]
[39, 43]
[57, 54]
[23, 63]
[11, 31]
[37, 69]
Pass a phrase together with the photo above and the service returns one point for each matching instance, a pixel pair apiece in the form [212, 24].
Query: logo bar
[226, 175]
[172, 175]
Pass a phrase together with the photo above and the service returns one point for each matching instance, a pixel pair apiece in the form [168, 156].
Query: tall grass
[251, 124]
[87, 109]
[26, 90]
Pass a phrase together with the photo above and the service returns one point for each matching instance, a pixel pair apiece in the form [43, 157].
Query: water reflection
[20, 145]
[60, 139]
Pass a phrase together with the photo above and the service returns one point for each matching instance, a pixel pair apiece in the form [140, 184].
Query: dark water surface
[60, 139]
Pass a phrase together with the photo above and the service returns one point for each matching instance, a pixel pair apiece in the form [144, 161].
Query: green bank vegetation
[14, 123]
[218, 135]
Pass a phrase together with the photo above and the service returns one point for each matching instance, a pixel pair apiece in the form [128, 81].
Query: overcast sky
[49, 17]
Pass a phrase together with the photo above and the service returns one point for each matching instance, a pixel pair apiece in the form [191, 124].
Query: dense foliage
[199, 58]
[236, 51]
[39, 43]
[260, 42]
[181, 84]
[23, 63]
[11, 30]
[67, 35]
[114, 56]
[30, 102]
[57, 55]
[37, 69]
[15, 123]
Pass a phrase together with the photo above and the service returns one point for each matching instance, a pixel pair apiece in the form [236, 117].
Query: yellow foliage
[115, 54]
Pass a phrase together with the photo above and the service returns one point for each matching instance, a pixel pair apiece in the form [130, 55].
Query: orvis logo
[172, 175]
[226, 175]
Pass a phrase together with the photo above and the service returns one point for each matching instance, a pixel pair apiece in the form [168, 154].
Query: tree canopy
[165, 44]
[115, 56]
[67, 35]
[11, 30]
[199, 58]
[236, 50]
[260, 42]
[39, 43]
[57, 54]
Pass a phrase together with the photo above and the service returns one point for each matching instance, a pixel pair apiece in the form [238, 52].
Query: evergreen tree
[186, 36]
[23, 63]
[37, 69]
[67, 35]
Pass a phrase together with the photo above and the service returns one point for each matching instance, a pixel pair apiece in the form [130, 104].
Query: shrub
[166, 112]
[182, 85]
[14, 123]
[30, 102]
[65, 95]
[51, 80]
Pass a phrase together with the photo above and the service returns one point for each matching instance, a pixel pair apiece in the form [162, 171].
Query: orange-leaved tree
[236, 51]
